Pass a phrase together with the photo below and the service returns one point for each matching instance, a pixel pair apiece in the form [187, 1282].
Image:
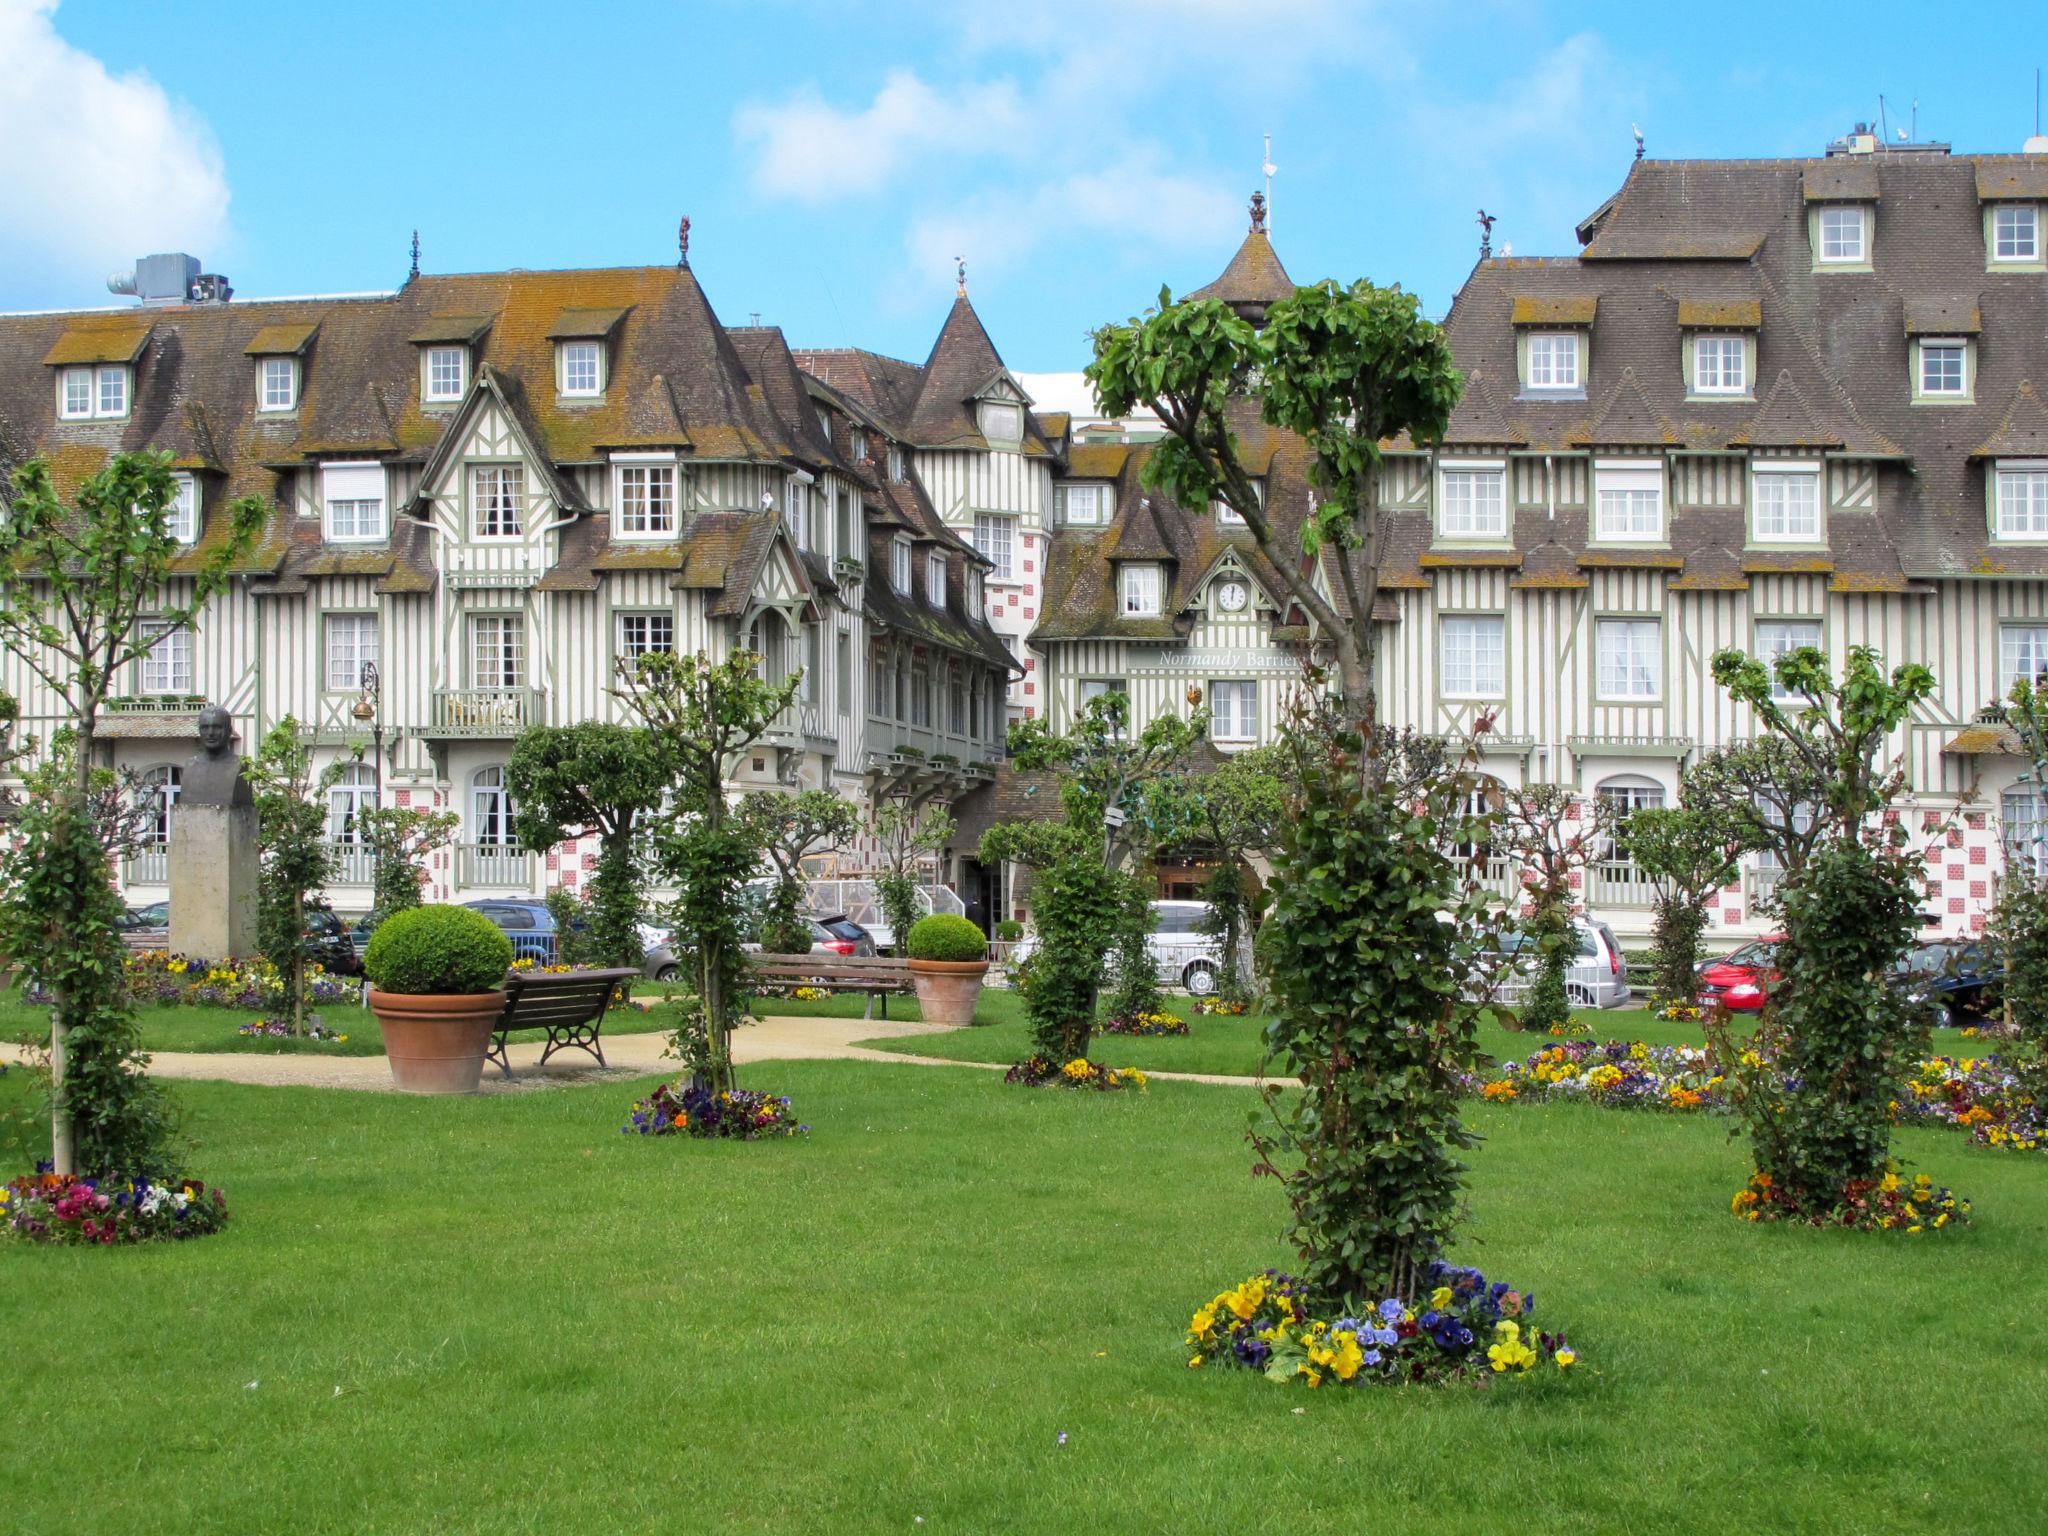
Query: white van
[1182, 954]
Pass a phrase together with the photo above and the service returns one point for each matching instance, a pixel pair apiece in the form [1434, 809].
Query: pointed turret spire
[1254, 279]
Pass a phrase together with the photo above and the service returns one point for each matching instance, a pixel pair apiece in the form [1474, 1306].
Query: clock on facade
[1231, 596]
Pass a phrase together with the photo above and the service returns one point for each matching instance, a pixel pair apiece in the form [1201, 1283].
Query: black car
[1959, 981]
[329, 943]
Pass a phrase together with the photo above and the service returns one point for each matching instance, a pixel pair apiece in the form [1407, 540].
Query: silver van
[1598, 977]
[1182, 954]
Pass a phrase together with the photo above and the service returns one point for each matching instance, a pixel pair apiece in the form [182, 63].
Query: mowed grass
[498, 1314]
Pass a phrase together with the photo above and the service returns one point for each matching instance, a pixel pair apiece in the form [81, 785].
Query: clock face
[1231, 595]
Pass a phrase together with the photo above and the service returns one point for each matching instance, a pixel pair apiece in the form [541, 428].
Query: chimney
[172, 277]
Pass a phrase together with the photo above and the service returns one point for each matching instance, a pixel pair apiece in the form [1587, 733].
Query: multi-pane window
[935, 579]
[1629, 501]
[2021, 495]
[1474, 656]
[1630, 658]
[351, 645]
[353, 495]
[347, 797]
[278, 380]
[974, 594]
[113, 392]
[1140, 592]
[920, 696]
[995, 536]
[899, 564]
[77, 397]
[1228, 516]
[1621, 799]
[497, 500]
[1100, 687]
[93, 392]
[491, 811]
[1084, 506]
[642, 634]
[796, 512]
[1720, 365]
[162, 782]
[167, 664]
[895, 463]
[1842, 235]
[497, 650]
[445, 369]
[881, 685]
[2022, 656]
[1944, 368]
[1474, 504]
[1234, 710]
[2016, 232]
[582, 370]
[1553, 361]
[1001, 420]
[181, 517]
[1787, 506]
[647, 500]
[1781, 637]
[2024, 827]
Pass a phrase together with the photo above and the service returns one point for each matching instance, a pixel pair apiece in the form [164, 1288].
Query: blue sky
[834, 157]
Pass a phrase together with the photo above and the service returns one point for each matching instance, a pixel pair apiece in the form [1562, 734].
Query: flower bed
[1619, 1074]
[1041, 1072]
[1145, 1024]
[58, 1208]
[160, 977]
[683, 1109]
[781, 992]
[1869, 1205]
[1980, 1094]
[269, 1029]
[1231, 1009]
[1459, 1328]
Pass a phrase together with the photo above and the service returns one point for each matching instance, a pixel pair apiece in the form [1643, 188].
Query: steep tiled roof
[1254, 279]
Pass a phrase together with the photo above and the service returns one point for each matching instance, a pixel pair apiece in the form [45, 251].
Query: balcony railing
[148, 865]
[1620, 883]
[1760, 884]
[485, 712]
[352, 863]
[493, 867]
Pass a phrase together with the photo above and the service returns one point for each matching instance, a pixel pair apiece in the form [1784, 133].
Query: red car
[1741, 981]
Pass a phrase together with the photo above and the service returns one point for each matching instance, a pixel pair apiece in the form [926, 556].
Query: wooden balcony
[493, 867]
[485, 713]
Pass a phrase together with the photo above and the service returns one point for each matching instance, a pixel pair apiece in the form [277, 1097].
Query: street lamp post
[366, 712]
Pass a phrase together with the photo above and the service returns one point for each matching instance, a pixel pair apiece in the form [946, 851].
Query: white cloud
[98, 168]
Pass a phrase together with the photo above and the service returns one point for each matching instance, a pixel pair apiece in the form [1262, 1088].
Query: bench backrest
[830, 965]
[568, 997]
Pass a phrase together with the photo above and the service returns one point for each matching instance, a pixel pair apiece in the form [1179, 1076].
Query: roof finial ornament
[1632, 128]
[960, 274]
[683, 242]
[1485, 234]
[415, 272]
[1258, 213]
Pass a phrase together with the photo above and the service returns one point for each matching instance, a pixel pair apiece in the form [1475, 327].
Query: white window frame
[975, 600]
[631, 647]
[1781, 637]
[506, 652]
[1720, 346]
[1623, 491]
[1471, 477]
[1959, 347]
[271, 371]
[1559, 371]
[79, 409]
[1138, 594]
[1093, 688]
[1472, 656]
[1823, 236]
[166, 666]
[94, 381]
[1094, 495]
[991, 411]
[359, 526]
[2032, 253]
[625, 468]
[342, 658]
[1776, 475]
[503, 501]
[352, 792]
[935, 579]
[569, 355]
[1228, 516]
[2022, 654]
[1620, 675]
[1234, 709]
[796, 510]
[896, 462]
[491, 811]
[899, 565]
[2033, 473]
[995, 537]
[181, 516]
[433, 390]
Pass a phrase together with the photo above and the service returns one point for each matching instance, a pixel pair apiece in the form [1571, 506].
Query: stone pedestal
[213, 881]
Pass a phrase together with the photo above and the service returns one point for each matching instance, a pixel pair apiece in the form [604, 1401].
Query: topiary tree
[400, 838]
[597, 779]
[702, 714]
[1820, 1123]
[906, 833]
[944, 936]
[1554, 838]
[1689, 851]
[298, 857]
[790, 828]
[77, 580]
[437, 951]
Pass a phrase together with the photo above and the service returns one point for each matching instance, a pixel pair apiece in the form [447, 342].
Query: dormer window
[796, 512]
[2015, 234]
[1553, 361]
[2019, 496]
[896, 463]
[352, 501]
[579, 369]
[644, 496]
[935, 579]
[445, 374]
[1720, 365]
[277, 384]
[1140, 592]
[974, 594]
[181, 517]
[1083, 506]
[899, 565]
[1228, 516]
[1942, 368]
[93, 394]
[1842, 235]
[1002, 421]
[857, 442]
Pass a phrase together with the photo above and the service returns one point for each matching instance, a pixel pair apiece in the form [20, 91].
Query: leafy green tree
[77, 580]
[1228, 815]
[790, 828]
[593, 779]
[701, 715]
[298, 857]
[1346, 369]
[401, 838]
[1554, 838]
[1689, 851]
[1821, 1124]
[1772, 796]
[906, 833]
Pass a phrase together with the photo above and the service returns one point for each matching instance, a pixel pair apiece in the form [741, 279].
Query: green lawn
[498, 1314]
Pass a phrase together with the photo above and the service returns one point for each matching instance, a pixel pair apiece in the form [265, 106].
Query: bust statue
[214, 777]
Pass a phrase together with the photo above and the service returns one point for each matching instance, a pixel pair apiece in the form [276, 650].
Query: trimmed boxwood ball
[437, 951]
[942, 936]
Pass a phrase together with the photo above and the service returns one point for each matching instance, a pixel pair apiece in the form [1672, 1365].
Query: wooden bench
[569, 1005]
[877, 975]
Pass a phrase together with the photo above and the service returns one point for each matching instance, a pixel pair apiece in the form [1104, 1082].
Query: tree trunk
[63, 1144]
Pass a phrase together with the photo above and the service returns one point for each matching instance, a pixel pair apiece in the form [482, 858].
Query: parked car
[332, 943]
[528, 924]
[1958, 981]
[1597, 977]
[144, 919]
[1741, 981]
[832, 934]
[1181, 953]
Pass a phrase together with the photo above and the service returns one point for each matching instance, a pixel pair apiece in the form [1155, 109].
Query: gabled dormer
[279, 355]
[584, 341]
[1554, 344]
[94, 368]
[447, 346]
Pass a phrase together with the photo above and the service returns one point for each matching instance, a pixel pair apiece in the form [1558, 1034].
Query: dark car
[329, 943]
[528, 924]
[1742, 981]
[157, 914]
[1959, 981]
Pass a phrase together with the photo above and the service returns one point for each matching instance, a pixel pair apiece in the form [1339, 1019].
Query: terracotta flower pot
[947, 990]
[436, 1044]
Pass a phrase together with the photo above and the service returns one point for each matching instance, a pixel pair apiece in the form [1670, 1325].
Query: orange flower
[680, 1120]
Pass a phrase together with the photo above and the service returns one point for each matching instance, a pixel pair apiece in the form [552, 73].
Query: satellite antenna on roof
[1266, 169]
